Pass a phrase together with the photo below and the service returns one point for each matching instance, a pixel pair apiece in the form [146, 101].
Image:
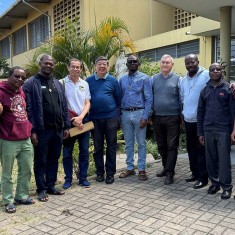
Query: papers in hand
[76, 131]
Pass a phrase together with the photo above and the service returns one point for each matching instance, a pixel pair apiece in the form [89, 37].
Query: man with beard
[190, 88]
[48, 112]
[136, 107]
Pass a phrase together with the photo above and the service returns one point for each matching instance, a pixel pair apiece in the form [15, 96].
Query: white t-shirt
[76, 94]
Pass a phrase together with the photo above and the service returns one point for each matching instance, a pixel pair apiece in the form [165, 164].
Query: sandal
[27, 201]
[43, 197]
[127, 173]
[10, 208]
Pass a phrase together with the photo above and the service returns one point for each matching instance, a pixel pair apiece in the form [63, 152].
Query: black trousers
[105, 129]
[196, 153]
[167, 131]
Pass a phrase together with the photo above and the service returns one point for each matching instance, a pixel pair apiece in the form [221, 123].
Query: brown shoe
[127, 173]
[143, 175]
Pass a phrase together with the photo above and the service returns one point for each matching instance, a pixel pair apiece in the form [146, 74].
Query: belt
[132, 109]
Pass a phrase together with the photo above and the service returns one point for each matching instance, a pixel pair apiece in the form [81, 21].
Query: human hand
[202, 140]
[66, 134]
[1, 108]
[143, 123]
[34, 139]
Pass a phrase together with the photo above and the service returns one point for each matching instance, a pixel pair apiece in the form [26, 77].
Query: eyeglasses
[215, 69]
[132, 62]
[19, 76]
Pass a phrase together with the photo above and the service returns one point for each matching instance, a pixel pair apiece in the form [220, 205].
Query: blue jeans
[83, 159]
[105, 128]
[131, 131]
[46, 156]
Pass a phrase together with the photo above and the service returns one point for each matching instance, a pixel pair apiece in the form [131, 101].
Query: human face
[101, 68]
[75, 68]
[46, 66]
[132, 64]
[215, 72]
[16, 80]
[166, 65]
[191, 64]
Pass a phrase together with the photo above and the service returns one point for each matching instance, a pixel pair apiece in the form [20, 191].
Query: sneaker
[109, 179]
[84, 183]
[67, 184]
[99, 178]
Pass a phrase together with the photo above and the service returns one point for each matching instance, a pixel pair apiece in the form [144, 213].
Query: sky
[5, 4]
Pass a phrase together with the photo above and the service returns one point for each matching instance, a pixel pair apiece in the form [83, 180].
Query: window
[19, 41]
[183, 18]
[176, 51]
[232, 60]
[38, 31]
[5, 48]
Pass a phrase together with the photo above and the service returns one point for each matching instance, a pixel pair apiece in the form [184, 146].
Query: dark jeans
[218, 147]
[167, 131]
[196, 153]
[105, 129]
[46, 156]
[83, 159]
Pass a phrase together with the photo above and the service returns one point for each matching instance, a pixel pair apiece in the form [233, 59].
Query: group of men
[43, 110]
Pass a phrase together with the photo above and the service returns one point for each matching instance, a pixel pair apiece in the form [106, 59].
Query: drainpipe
[48, 17]
[10, 49]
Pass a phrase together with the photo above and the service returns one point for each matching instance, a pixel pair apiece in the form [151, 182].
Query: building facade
[157, 28]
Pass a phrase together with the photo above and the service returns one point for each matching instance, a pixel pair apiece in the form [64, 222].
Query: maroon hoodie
[14, 123]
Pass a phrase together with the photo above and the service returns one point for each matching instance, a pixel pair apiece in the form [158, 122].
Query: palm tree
[107, 39]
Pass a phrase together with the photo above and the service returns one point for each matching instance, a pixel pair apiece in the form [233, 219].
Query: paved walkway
[128, 207]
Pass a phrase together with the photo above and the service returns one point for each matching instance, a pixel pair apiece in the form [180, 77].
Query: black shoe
[161, 173]
[226, 194]
[169, 178]
[99, 178]
[109, 179]
[213, 189]
[199, 184]
[54, 191]
[191, 178]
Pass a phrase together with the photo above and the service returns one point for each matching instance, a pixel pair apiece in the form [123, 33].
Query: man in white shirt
[78, 97]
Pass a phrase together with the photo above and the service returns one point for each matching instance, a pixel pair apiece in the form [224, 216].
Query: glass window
[191, 47]
[5, 48]
[19, 41]
[38, 31]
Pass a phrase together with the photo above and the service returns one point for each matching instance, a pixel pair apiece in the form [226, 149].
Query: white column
[225, 37]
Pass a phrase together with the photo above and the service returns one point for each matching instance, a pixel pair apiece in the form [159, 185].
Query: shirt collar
[97, 78]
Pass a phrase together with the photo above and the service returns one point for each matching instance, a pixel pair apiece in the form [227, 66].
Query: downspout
[48, 17]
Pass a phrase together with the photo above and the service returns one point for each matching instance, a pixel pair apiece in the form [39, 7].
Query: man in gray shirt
[166, 116]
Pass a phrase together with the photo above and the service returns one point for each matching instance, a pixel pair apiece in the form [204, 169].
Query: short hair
[12, 70]
[101, 58]
[45, 56]
[167, 56]
[77, 60]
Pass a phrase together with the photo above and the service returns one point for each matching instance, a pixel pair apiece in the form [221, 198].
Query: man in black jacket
[48, 112]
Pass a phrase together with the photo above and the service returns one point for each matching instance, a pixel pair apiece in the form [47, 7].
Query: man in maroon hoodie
[15, 143]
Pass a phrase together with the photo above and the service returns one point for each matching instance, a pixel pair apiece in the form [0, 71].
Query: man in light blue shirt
[137, 98]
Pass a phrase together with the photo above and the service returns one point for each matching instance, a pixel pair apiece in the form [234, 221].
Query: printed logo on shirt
[81, 88]
[43, 87]
[18, 106]
[221, 94]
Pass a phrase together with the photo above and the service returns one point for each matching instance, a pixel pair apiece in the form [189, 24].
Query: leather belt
[132, 109]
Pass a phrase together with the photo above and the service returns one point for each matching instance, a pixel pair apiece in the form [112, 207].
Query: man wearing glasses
[78, 97]
[15, 143]
[136, 107]
[104, 112]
